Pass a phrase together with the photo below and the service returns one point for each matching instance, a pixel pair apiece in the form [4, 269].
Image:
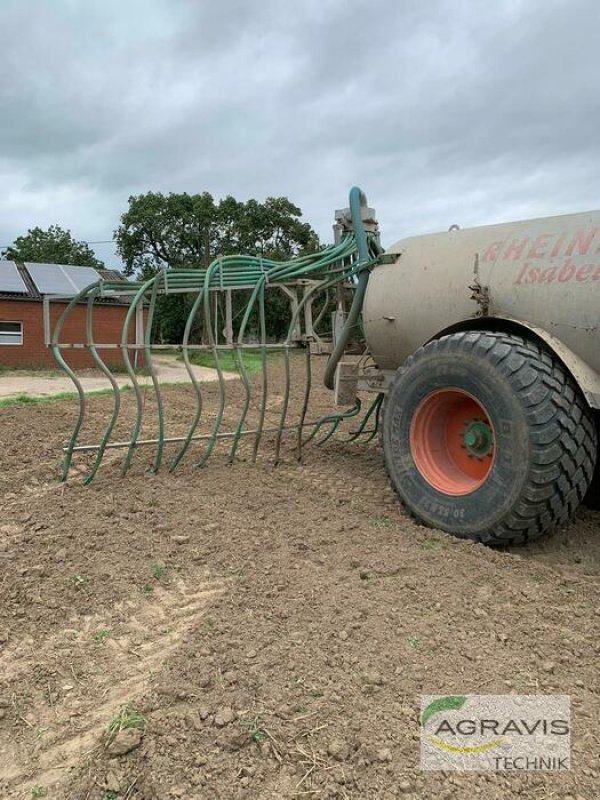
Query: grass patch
[416, 644]
[121, 369]
[31, 370]
[430, 544]
[228, 362]
[126, 718]
[101, 636]
[29, 399]
[381, 522]
[368, 578]
[79, 580]
[255, 729]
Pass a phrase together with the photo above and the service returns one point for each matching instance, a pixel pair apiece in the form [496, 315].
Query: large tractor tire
[487, 437]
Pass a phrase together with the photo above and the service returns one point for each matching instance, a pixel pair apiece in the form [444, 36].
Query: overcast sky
[443, 112]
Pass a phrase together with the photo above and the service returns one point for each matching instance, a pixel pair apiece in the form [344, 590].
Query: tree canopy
[52, 246]
[189, 231]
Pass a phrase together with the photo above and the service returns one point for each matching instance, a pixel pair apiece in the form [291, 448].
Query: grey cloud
[444, 111]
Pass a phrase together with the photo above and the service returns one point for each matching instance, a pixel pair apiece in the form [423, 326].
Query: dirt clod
[224, 716]
[338, 749]
[372, 678]
[113, 782]
[125, 741]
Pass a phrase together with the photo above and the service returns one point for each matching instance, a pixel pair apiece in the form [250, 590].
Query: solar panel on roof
[10, 278]
[60, 278]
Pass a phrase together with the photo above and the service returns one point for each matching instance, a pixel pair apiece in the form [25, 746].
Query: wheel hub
[478, 438]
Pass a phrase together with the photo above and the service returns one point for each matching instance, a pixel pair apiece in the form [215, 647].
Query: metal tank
[485, 345]
[541, 274]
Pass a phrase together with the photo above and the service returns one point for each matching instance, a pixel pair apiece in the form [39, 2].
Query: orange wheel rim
[452, 441]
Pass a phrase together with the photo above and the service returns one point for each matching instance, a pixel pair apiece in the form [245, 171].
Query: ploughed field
[256, 632]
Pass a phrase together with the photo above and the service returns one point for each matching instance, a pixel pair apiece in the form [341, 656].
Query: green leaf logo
[450, 703]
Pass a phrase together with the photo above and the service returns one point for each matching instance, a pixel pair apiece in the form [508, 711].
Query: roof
[33, 292]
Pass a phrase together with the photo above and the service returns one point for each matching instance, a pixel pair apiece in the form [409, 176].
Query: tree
[183, 231]
[53, 246]
[189, 231]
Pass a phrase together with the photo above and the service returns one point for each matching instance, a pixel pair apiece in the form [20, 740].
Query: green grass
[101, 636]
[368, 578]
[79, 580]
[430, 544]
[417, 644]
[34, 370]
[227, 360]
[381, 522]
[121, 369]
[28, 399]
[255, 729]
[124, 719]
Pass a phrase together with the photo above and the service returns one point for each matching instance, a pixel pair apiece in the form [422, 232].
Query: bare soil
[273, 628]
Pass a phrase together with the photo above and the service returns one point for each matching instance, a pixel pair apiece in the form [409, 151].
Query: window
[11, 333]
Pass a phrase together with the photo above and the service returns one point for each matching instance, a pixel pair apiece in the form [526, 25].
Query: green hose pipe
[114, 385]
[186, 360]
[61, 361]
[139, 399]
[357, 202]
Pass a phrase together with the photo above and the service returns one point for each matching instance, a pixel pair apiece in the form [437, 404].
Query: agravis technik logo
[495, 732]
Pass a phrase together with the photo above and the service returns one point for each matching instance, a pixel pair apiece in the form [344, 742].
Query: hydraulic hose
[357, 202]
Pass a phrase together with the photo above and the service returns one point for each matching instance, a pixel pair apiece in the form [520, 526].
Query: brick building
[28, 314]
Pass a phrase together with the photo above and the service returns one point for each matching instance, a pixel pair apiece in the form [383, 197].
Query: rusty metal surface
[544, 273]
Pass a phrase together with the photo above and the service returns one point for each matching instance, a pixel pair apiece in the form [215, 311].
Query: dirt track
[274, 627]
[45, 384]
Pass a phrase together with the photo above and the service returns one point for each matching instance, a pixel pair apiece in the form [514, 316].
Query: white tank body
[543, 272]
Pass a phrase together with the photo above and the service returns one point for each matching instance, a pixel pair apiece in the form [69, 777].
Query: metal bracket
[346, 380]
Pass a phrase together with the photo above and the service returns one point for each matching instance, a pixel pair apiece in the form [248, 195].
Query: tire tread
[563, 432]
